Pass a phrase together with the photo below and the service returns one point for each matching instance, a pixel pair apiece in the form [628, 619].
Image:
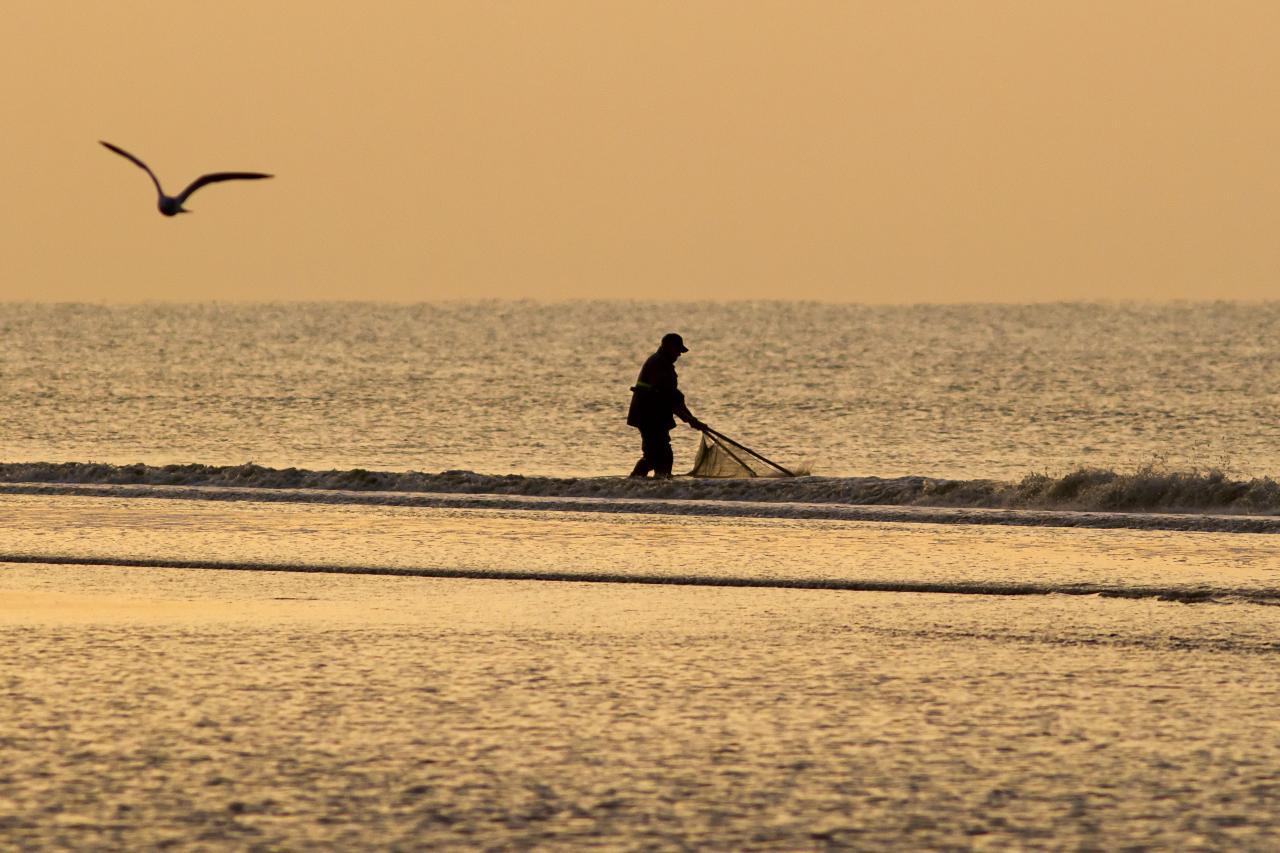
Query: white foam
[671, 506]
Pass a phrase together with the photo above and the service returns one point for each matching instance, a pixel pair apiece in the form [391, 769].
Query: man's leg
[658, 452]
[645, 464]
[656, 446]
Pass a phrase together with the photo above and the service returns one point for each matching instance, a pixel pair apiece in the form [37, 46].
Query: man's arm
[680, 410]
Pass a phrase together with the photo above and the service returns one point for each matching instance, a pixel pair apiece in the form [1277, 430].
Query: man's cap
[674, 339]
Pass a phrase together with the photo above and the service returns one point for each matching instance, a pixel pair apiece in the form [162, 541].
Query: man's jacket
[655, 397]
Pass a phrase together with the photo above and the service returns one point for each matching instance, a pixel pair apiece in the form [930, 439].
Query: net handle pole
[732, 455]
[724, 437]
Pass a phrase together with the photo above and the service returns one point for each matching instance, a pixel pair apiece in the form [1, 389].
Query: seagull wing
[141, 165]
[216, 177]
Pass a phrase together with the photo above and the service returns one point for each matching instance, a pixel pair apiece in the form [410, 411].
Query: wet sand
[267, 710]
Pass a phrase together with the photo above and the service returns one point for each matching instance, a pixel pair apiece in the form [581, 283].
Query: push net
[720, 456]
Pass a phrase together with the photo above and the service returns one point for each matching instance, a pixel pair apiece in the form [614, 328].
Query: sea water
[965, 391]
[456, 627]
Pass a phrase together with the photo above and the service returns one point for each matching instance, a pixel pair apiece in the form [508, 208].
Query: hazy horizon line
[459, 300]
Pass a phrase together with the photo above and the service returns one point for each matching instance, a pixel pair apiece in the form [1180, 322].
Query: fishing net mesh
[716, 458]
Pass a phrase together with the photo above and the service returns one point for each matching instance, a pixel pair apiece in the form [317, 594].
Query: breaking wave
[1146, 498]
[1145, 490]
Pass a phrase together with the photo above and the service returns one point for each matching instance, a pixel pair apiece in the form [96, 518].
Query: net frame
[721, 457]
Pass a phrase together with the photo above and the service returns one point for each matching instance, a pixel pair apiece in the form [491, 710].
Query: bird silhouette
[171, 205]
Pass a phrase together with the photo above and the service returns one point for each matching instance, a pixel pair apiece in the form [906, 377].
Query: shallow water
[257, 709]
[265, 710]
[621, 545]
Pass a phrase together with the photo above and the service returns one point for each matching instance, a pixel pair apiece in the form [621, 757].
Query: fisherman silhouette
[654, 399]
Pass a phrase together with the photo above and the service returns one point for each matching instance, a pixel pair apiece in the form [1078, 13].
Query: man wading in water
[654, 399]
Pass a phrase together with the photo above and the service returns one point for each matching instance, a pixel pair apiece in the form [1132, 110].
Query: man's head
[673, 345]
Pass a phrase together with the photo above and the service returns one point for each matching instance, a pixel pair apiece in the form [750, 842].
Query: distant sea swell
[1143, 499]
[955, 391]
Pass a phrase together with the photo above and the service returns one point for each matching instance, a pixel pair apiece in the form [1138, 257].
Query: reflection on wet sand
[149, 707]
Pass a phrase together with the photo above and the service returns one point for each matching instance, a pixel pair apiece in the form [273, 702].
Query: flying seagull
[172, 205]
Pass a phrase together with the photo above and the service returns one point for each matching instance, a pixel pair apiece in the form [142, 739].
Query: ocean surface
[368, 577]
[961, 392]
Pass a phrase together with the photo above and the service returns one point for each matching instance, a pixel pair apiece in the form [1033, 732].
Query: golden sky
[889, 151]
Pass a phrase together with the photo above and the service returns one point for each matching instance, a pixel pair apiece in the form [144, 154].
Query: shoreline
[1190, 522]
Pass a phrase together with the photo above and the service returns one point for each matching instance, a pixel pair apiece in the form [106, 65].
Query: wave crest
[1144, 490]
